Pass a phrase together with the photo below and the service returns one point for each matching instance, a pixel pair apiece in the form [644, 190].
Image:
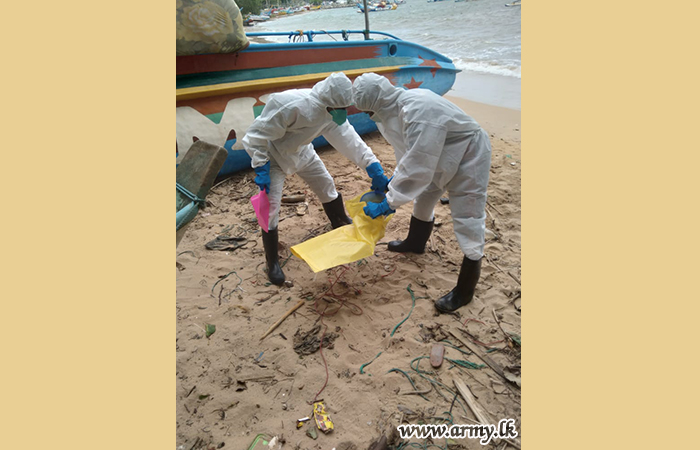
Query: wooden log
[276, 324]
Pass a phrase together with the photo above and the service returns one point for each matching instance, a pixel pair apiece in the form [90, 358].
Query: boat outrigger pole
[366, 21]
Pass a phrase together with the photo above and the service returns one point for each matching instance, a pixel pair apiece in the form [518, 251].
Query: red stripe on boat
[275, 58]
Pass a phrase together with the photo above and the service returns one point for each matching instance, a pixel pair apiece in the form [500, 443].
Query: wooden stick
[276, 324]
[489, 204]
[476, 408]
[424, 391]
[498, 322]
[491, 363]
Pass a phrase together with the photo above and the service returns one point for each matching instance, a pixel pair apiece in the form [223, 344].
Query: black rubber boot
[463, 293]
[274, 271]
[336, 212]
[418, 234]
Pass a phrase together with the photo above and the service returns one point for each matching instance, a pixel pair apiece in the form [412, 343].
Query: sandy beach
[233, 386]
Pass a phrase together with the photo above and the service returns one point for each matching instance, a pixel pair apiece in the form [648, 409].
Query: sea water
[482, 37]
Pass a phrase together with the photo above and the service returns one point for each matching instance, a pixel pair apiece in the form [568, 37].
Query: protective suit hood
[335, 91]
[372, 92]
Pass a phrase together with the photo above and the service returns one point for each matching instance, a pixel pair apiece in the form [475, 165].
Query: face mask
[339, 115]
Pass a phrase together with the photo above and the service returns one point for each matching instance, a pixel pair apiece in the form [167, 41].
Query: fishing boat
[375, 7]
[218, 95]
[258, 17]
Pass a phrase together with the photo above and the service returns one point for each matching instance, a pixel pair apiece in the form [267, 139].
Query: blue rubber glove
[379, 180]
[263, 177]
[375, 210]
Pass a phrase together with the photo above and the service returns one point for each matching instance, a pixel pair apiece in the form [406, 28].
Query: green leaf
[202, 397]
[210, 329]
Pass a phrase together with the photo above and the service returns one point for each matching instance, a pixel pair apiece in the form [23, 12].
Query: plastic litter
[261, 205]
[349, 243]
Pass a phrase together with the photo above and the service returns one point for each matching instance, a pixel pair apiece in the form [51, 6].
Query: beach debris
[226, 243]
[490, 362]
[367, 364]
[512, 337]
[478, 410]
[289, 284]
[445, 200]
[275, 443]
[436, 355]
[406, 410]
[321, 417]
[416, 392]
[346, 445]
[210, 329]
[466, 364]
[300, 422]
[293, 198]
[413, 299]
[513, 374]
[241, 386]
[432, 333]
[258, 358]
[498, 387]
[276, 324]
[260, 442]
[306, 343]
[311, 432]
[379, 444]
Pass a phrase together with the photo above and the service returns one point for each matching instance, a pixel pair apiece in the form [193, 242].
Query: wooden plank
[476, 408]
[196, 173]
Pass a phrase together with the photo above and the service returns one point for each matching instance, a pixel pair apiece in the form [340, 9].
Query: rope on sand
[367, 364]
[413, 298]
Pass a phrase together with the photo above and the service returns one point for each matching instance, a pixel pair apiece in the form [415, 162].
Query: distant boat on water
[375, 7]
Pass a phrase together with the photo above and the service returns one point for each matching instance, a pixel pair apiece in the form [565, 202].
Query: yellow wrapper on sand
[323, 420]
[346, 244]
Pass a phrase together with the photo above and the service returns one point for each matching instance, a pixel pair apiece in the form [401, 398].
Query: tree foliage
[249, 6]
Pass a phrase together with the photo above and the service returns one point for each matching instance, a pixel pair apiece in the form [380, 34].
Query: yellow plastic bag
[346, 244]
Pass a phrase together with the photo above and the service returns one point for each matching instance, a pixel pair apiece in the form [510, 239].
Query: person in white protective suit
[279, 143]
[438, 147]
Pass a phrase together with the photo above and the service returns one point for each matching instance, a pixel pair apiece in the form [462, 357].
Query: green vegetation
[250, 6]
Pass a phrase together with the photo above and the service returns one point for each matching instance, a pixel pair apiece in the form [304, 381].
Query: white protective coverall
[438, 147]
[282, 134]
